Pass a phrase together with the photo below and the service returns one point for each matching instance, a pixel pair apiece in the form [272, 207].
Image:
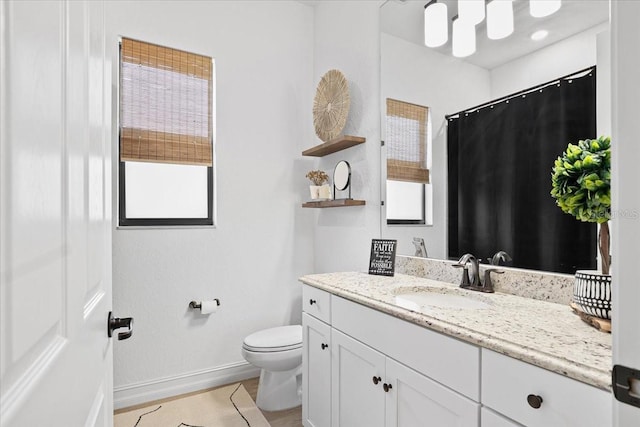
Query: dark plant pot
[592, 293]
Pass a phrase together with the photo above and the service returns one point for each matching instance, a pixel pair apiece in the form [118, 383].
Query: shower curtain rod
[516, 94]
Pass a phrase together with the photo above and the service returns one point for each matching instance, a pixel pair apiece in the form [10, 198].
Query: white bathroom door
[625, 36]
[55, 254]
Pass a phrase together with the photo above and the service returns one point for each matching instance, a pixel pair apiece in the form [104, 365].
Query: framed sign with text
[383, 257]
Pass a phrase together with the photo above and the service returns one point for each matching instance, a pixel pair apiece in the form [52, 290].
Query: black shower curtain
[499, 178]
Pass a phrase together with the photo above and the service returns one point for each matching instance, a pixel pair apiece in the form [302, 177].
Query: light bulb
[471, 11]
[499, 19]
[539, 35]
[463, 38]
[436, 31]
[542, 8]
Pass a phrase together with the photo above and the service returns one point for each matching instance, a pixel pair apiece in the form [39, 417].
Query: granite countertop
[541, 333]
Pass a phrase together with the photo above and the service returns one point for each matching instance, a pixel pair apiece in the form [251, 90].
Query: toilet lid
[275, 339]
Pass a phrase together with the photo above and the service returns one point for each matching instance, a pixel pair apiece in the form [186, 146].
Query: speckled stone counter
[541, 285]
[541, 333]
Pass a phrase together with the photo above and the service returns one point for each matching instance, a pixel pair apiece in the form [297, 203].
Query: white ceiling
[405, 19]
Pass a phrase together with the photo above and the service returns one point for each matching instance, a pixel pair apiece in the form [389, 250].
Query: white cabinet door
[316, 378]
[356, 399]
[415, 401]
[488, 418]
[55, 199]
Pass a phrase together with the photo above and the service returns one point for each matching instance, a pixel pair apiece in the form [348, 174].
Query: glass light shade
[542, 8]
[499, 19]
[463, 38]
[471, 11]
[436, 31]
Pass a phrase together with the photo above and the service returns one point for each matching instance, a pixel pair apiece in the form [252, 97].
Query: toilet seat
[282, 338]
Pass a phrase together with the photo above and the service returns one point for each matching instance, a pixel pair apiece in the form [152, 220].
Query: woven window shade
[406, 142]
[165, 105]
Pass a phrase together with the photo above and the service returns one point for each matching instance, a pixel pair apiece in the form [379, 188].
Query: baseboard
[135, 394]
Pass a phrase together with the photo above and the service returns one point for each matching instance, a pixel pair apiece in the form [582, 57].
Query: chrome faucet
[471, 274]
[469, 278]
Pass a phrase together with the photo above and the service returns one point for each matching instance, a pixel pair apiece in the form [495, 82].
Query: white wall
[557, 60]
[446, 85]
[263, 240]
[347, 39]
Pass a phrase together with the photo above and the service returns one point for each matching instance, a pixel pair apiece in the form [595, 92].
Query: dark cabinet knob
[386, 387]
[376, 380]
[312, 301]
[534, 401]
[323, 345]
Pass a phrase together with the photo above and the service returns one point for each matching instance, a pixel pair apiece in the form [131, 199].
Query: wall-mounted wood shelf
[334, 203]
[337, 144]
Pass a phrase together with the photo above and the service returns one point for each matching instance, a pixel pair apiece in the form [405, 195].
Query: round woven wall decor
[331, 105]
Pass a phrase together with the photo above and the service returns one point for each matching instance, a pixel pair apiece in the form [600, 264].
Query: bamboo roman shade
[406, 141]
[165, 105]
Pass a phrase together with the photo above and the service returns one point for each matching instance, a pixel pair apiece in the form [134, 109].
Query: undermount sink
[425, 299]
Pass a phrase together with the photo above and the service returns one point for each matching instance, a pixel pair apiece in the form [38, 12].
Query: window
[166, 151]
[408, 131]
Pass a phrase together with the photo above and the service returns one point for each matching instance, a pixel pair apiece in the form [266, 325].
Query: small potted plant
[320, 189]
[581, 185]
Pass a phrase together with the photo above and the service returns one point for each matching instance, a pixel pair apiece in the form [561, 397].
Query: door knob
[114, 323]
[376, 380]
[312, 301]
[323, 345]
[386, 387]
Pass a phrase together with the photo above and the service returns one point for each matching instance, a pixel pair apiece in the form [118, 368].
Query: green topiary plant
[581, 185]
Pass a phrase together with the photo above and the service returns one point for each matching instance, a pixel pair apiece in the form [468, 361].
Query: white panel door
[414, 400]
[55, 261]
[357, 399]
[316, 378]
[625, 61]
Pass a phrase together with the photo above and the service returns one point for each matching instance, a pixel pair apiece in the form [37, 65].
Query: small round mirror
[342, 175]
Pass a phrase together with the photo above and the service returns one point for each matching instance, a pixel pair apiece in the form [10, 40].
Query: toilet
[278, 353]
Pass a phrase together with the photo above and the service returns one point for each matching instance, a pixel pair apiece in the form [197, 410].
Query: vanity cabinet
[535, 397]
[365, 367]
[380, 370]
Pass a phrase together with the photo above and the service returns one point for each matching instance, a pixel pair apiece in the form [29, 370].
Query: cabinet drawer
[507, 383]
[316, 302]
[442, 358]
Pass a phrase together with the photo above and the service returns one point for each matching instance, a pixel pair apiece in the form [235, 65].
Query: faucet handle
[464, 282]
[488, 284]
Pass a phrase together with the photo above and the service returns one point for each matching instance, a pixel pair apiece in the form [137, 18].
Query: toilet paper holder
[198, 304]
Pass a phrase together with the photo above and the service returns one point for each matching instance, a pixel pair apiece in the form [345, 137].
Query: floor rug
[229, 406]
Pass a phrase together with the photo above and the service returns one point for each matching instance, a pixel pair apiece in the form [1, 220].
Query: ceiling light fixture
[471, 11]
[539, 35]
[463, 39]
[542, 8]
[499, 19]
[436, 28]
